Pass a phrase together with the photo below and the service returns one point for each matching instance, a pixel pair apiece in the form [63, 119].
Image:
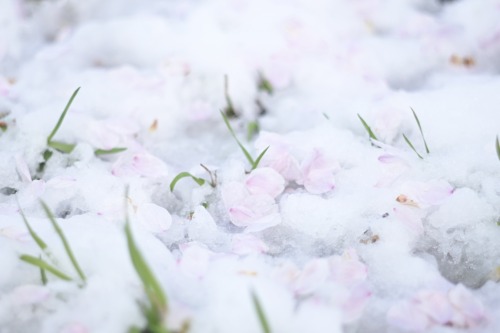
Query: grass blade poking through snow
[253, 163]
[412, 147]
[260, 313]
[156, 296]
[61, 146]
[116, 150]
[43, 275]
[368, 129]
[421, 132]
[498, 148]
[44, 266]
[199, 181]
[67, 248]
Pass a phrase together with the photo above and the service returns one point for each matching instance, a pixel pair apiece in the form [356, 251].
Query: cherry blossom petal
[317, 173]
[278, 155]
[408, 316]
[243, 244]
[312, 276]
[195, 259]
[265, 181]
[347, 269]
[472, 309]
[155, 218]
[430, 193]
[139, 164]
[411, 218]
[29, 294]
[436, 305]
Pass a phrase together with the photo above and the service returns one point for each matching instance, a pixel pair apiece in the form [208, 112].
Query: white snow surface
[332, 231]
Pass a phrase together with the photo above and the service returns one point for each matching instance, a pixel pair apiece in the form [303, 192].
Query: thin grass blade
[38, 240]
[421, 132]
[61, 117]
[153, 289]
[43, 275]
[44, 265]
[116, 150]
[368, 129]
[411, 146]
[260, 313]
[252, 129]
[199, 181]
[245, 152]
[67, 248]
[257, 161]
[498, 148]
[61, 146]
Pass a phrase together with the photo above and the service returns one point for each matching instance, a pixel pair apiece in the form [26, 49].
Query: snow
[332, 231]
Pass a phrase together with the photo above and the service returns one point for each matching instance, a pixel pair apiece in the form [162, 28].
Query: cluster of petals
[340, 280]
[251, 203]
[456, 307]
[315, 172]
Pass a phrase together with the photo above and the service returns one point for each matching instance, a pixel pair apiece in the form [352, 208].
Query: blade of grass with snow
[61, 117]
[498, 148]
[421, 132]
[45, 266]
[368, 129]
[43, 275]
[116, 150]
[67, 248]
[257, 161]
[243, 149]
[260, 313]
[412, 147]
[199, 181]
[155, 293]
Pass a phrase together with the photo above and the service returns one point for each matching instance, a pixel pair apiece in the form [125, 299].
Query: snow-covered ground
[331, 232]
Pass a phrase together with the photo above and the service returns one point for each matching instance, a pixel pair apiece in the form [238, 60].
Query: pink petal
[463, 300]
[155, 218]
[347, 269]
[317, 173]
[406, 315]
[243, 244]
[29, 294]
[139, 164]
[195, 259]
[410, 218]
[312, 277]
[265, 181]
[436, 305]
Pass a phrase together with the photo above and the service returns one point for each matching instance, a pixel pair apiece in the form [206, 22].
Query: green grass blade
[67, 248]
[260, 313]
[245, 152]
[257, 161]
[252, 129]
[44, 265]
[368, 129]
[61, 146]
[61, 118]
[38, 240]
[265, 85]
[43, 275]
[412, 147]
[116, 150]
[230, 111]
[421, 132]
[155, 293]
[498, 149]
[199, 181]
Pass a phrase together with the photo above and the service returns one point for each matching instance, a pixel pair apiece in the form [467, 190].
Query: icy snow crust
[333, 232]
